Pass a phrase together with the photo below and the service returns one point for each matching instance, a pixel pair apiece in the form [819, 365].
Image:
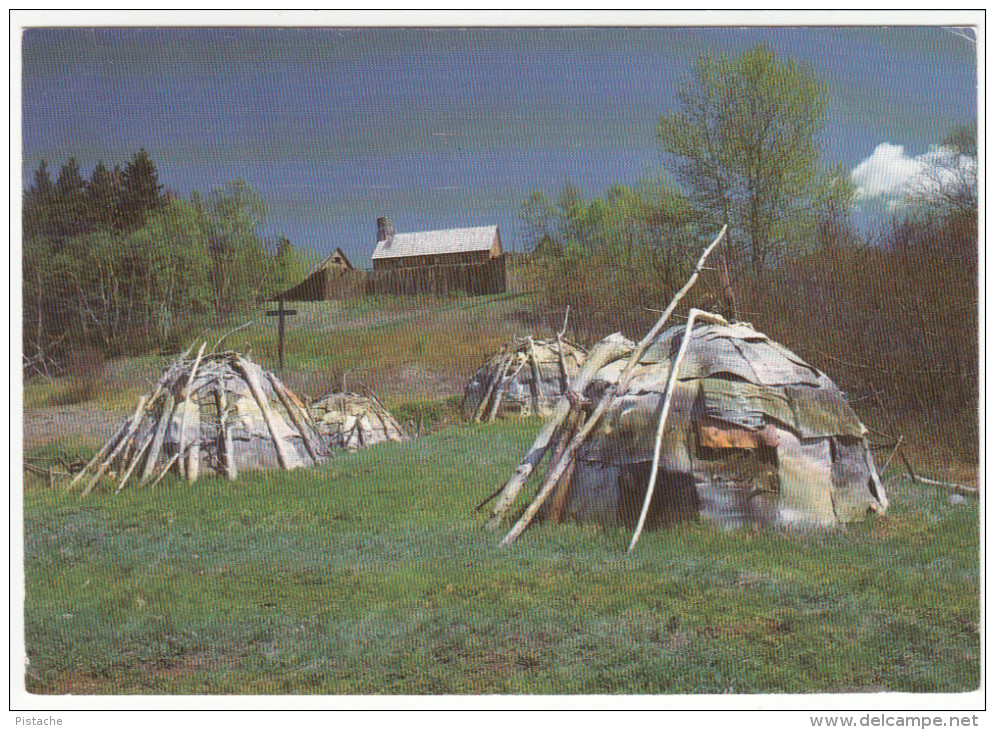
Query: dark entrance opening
[675, 498]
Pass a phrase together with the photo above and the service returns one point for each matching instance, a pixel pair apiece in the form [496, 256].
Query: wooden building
[334, 278]
[440, 262]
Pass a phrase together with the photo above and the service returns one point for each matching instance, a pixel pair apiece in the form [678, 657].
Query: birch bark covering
[526, 378]
[352, 421]
[219, 413]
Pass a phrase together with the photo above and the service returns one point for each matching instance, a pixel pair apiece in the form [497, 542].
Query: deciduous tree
[743, 144]
[231, 219]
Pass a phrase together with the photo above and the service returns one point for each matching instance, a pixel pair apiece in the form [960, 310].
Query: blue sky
[445, 127]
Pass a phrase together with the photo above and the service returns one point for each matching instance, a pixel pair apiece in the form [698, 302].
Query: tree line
[741, 149]
[117, 263]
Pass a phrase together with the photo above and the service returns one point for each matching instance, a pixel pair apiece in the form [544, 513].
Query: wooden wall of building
[449, 259]
[327, 284]
[471, 276]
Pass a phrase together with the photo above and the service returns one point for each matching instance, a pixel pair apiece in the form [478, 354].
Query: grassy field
[415, 350]
[371, 575]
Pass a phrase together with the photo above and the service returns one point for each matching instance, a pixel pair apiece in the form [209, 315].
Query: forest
[120, 265]
[888, 301]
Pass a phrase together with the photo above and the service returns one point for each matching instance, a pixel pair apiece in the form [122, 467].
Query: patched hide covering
[351, 421]
[522, 394]
[754, 436]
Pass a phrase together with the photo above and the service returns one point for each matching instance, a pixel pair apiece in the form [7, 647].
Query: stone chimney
[385, 230]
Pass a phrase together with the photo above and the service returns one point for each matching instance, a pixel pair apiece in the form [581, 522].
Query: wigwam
[217, 412]
[527, 377]
[708, 419]
[352, 421]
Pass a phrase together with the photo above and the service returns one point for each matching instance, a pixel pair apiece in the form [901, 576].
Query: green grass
[371, 575]
[377, 335]
[372, 340]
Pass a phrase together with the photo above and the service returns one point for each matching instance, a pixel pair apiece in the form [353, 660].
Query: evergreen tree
[140, 190]
[37, 212]
[70, 203]
[43, 182]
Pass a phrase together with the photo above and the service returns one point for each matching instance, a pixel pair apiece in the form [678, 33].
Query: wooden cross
[281, 313]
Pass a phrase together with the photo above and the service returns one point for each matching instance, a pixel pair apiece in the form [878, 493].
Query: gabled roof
[312, 288]
[430, 243]
[328, 259]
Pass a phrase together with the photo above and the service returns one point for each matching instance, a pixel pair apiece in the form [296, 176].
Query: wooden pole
[949, 485]
[222, 401]
[608, 350]
[560, 494]
[565, 383]
[257, 391]
[671, 382]
[481, 408]
[297, 420]
[894, 432]
[165, 469]
[160, 433]
[557, 471]
[728, 296]
[185, 399]
[105, 465]
[891, 456]
[501, 378]
[655, 330]
[99, 455]
[280, 328]
[228, 334]
[134, 463]
[373, 396]
[538, 394]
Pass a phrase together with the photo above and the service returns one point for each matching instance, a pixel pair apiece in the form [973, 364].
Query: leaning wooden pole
[134, 463]
[222, 401]
[160, 434]
[565, 378]
[282, 454]
[559, 495]
[99, 455]
[693, 315]
[296, 418]
[121, 445]
[893, 432]
[557, 471]
[373, 397]
[608, 350]
[665, 317]
[538, 394]
[185, 397]
[498, 396]
[481, 408]
[226, 335]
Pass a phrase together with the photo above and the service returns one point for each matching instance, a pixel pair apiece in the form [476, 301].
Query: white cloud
[886, 173]
[889, 175]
